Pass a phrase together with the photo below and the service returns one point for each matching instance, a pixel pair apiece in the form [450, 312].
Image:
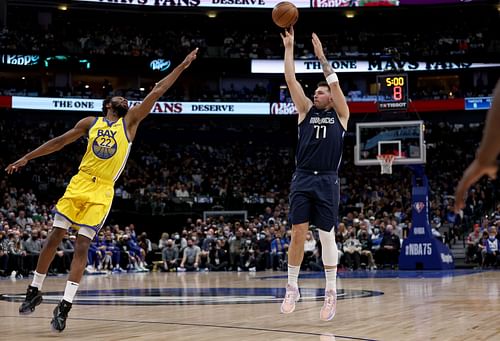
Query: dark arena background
[213, 163]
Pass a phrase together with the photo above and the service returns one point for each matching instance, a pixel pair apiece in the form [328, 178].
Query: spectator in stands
[206, 245]
[147, 248]
[22, 220]
[352, 252]
[389, 248]
[316, 263]
[17, 256]
[136, 253]
[218, 259]
[93, 256]
[482, 246]
[191, 257]
[61, 262]
[181, 191]
[4, 253]
[248, 260]
[492, 250]
[472, 251]
[264, 261]
[366, 250]
[126, 259]
[163, 241]
[235, 249]
[112, 250]
[170, 256]
[309, 250]
[278, 252]
[33, 246]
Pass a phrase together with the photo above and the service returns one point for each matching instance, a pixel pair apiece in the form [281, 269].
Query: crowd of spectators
[237, 37]
[163, 177]
[238, 45]
[231, 39]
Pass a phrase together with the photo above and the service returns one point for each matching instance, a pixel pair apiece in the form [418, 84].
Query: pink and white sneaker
[329, 306]
[292, 295]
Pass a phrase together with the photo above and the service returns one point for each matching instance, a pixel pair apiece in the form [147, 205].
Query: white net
[385, 161]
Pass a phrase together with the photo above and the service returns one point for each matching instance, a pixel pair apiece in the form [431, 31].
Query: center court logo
[189, 296]
[104, 145]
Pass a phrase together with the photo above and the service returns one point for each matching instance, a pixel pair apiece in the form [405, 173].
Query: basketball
[285, 14]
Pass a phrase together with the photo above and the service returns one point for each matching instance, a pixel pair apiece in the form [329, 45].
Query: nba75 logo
[419, 206]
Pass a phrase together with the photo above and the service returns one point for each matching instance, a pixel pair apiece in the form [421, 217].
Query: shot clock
[392, 92]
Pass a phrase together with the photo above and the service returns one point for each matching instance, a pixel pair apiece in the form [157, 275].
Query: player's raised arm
[53, 145]
[137, 113]
[485, 162]
[302, 103]
[339, 101]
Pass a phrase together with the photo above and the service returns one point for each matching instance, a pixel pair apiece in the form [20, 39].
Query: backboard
[404, 139]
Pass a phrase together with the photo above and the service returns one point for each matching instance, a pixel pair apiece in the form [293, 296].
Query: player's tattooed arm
[327, 68]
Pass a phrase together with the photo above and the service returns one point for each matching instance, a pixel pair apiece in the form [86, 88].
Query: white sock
[70, 291]
[331, 279]
[293, 275]
[38, 280]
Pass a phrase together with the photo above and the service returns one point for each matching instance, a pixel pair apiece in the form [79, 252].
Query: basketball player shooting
[315, 189]
[485, 162]
[88, 197]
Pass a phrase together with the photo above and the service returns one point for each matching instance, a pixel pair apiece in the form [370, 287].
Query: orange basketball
[285, 14]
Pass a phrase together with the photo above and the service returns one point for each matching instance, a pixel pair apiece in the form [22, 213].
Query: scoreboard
[392, 92]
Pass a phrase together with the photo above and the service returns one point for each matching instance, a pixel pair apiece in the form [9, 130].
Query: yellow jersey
[107, 149]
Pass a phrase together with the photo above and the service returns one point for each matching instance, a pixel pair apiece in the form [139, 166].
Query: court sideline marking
[202, 325]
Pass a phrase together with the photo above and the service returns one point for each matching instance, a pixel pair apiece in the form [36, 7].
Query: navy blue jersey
[320, 142]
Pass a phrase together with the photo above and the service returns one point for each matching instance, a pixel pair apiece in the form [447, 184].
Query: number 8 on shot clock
[392, 92]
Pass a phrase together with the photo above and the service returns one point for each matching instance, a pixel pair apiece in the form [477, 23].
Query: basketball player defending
[315, 192]
[485, 162]
[87, 200]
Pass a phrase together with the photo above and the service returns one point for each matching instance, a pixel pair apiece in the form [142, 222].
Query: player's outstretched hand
[189, 58]
[14, 167]
[472, 174]
[318, 47]
[288, 37]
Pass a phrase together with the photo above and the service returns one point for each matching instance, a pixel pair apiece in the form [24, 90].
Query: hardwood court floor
[381, 305]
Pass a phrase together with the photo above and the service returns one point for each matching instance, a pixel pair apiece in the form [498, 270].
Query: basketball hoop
[386, 161]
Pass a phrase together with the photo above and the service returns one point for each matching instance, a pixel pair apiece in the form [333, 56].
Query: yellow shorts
[85, 204]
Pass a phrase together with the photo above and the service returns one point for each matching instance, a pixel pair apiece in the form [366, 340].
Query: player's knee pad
[330, 252]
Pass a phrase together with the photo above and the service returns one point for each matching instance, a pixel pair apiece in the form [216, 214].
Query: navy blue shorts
[314, 198]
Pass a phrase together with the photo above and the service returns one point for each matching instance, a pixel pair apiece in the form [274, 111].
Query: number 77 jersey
[320, 141]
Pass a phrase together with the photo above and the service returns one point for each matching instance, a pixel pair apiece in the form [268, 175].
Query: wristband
[332, 78]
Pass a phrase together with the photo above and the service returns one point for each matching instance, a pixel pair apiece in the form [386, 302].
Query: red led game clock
[392, 92]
